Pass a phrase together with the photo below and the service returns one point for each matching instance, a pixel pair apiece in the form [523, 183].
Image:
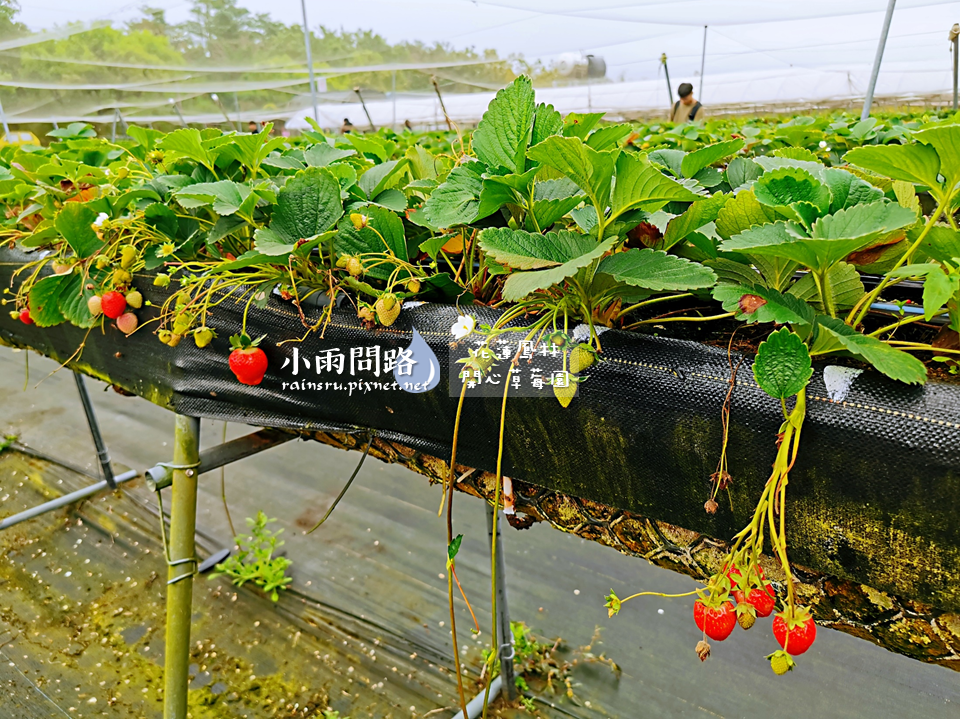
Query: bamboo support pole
[182, 564]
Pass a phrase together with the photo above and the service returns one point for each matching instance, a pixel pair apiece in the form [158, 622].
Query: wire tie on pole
[166, 548]
[186, 467]
[507, 657]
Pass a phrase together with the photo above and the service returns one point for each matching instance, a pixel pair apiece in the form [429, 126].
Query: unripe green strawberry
[164, 336]
[387, 308]
[14, 315]
[128, 255]
[102, 262]
[746, 615]
[581, 357]
[182, 323]
[135, 299]
[93, 304]
[203, 337]
[161, 280]
[175, 339]
[413, 285]
[781, 662]
[121, 277]
[354, 267]
[565, 394]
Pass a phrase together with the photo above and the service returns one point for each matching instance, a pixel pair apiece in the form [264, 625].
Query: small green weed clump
[254, 562]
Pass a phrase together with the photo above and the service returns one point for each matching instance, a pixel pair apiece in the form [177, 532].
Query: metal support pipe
[954, 34]
[3, 119]
[703, 60]
[306, 42]
[102, 455]
[176, 107]
[182, 564]
[393, 97]
[66, 500]
[504, 633]
[666, 72]
[161, 476]
[436, 88]
[365, 110]
[868, 100]
[239, 122]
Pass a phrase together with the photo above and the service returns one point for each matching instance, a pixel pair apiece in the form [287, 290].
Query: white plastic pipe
[475, 705]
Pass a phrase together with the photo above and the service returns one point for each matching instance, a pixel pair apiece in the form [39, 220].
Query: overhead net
[419, 64]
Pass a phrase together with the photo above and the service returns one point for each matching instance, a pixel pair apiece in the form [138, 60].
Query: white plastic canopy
[755, 54]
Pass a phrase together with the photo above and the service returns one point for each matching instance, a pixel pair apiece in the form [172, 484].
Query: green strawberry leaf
[788, 185]
[764, 304]
[224, 197]
[308, 205]
[846, 189]
[379, 177]
[894, 363]
[457, 200]
[697, 160]
[501, 137]
[546, 121]
[323, 154]
[656, 270]
[608, 136]
[916, 163]
[844, 283]
[642, 186]
[44, 301]
[189, 143]
[523, 250]
[741, 171]
[351, 241]
[741, 213]
[561, 253]
[72, 302]
[590, 169]
[75, 223]
[832, 238]
[696, 216]
[782, 367]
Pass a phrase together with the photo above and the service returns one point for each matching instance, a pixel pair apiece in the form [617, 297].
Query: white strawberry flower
[463, 326]
[101, 218]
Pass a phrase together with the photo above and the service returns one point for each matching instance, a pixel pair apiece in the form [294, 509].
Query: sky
[742, 35]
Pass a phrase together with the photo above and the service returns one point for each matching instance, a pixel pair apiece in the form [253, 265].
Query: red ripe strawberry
[716, 622]
[794, 633]
[113, 304]
[25, 316]
[247, 361]
[763, 601]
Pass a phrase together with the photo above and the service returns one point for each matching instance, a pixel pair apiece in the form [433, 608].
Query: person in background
[687, 108]
[346, 127]
[253, 127]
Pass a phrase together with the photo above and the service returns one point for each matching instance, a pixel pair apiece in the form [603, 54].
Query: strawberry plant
[803, 228]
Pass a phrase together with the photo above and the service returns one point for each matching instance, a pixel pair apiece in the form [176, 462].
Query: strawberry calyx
[795, 617]
[243, 341]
